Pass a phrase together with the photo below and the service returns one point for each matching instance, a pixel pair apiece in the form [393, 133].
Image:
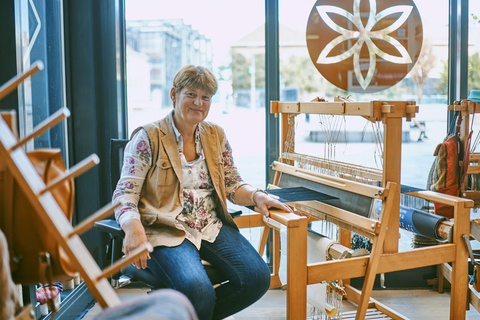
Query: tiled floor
[413, 304]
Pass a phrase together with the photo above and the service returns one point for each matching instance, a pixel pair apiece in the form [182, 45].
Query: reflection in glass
[44, 93]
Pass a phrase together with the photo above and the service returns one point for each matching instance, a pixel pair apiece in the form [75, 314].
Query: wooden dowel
[336, 250]
[10, 118]
[75, 171]
[122, 263]
[444, 229]
[271, 223]
[13, 83]
[263, 240]
[90, 222]
[43, 126]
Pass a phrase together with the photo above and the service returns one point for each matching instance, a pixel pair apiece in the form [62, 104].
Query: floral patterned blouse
[198, 217]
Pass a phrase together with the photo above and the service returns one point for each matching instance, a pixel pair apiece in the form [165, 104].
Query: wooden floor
[423, 304]
[414, 304]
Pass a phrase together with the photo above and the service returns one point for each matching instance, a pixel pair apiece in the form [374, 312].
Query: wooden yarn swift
[14, 159]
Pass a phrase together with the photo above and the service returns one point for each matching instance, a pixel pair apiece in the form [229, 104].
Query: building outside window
[161, 39]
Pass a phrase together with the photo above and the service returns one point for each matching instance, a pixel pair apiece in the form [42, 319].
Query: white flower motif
[364, 35]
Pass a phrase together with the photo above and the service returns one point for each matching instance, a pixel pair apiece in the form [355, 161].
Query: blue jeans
[180, 268]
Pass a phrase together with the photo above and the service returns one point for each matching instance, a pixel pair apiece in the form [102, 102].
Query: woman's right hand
[135, 237]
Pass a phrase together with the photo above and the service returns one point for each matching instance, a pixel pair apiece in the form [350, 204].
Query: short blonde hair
[195, 77]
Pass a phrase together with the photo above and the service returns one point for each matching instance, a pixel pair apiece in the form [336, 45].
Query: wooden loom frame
[467, 108]
[385, 256]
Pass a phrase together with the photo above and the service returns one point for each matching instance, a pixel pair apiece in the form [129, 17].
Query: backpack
[445, 176]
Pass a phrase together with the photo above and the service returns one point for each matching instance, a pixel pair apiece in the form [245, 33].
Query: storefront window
[386, 73]
[425, 83]
[231, 42]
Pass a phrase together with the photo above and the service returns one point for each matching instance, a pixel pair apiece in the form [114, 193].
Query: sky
[226, 21]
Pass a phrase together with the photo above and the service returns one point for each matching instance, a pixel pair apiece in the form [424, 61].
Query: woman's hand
[266, 201]
[135, 237]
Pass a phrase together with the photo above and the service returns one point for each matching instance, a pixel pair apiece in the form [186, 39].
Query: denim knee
[261, 280]
[202, 296]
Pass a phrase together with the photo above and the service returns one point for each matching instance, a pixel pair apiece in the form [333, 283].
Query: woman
[178, 173]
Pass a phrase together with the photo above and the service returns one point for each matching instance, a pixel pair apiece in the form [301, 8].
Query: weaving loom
[470, 189]
[353, 191]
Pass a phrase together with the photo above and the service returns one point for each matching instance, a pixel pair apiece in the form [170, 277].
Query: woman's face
[191, 105]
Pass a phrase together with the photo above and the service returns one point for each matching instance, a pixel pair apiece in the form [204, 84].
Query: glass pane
[306, 52]
[39, 26]
[474, 85]
[161, 39]
[474, 46]
[39, 37]
[425, 83]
